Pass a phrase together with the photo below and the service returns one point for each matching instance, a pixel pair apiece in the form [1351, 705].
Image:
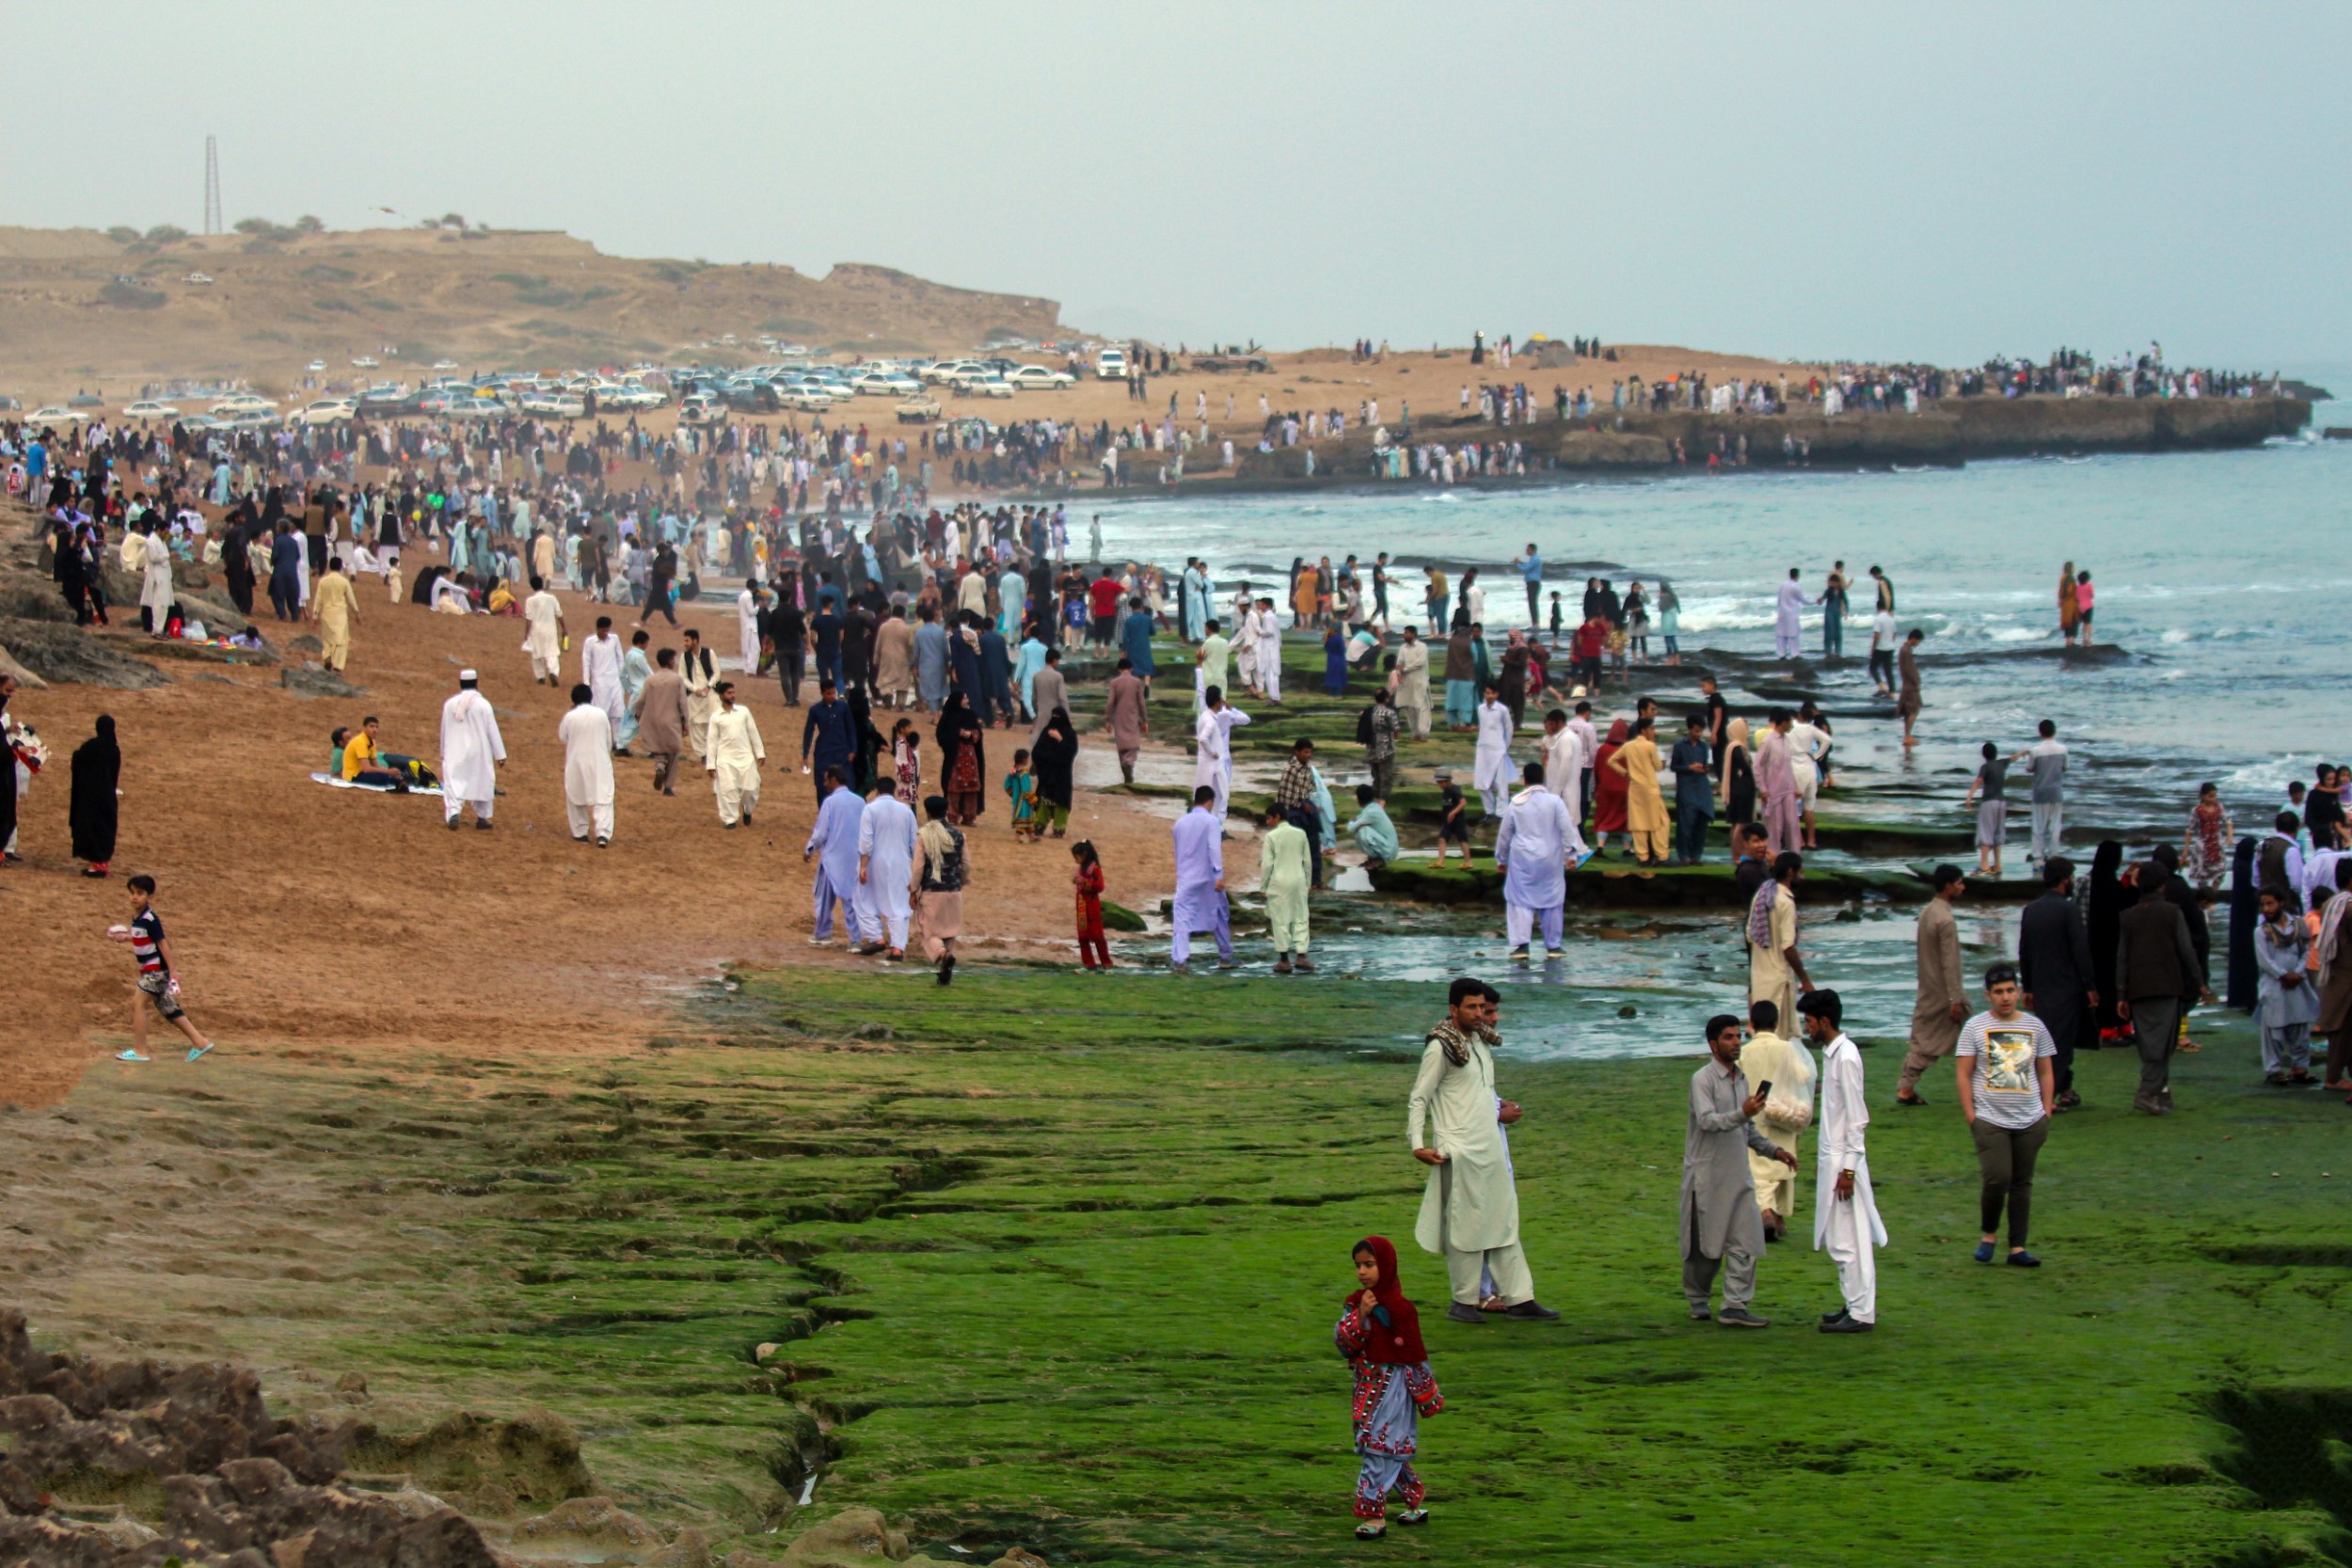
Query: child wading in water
[1380, 1332]
[1093, 951]
[157, 984]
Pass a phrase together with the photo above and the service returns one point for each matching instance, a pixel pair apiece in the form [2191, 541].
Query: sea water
[2223, 586]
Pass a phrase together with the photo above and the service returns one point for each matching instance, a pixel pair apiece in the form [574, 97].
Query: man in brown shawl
[1125, 715]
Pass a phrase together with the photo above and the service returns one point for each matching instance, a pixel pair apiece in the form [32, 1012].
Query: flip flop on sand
[127, 1055]
[195, 1052]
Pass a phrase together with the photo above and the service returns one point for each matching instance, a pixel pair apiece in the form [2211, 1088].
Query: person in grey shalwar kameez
[1719, 1222]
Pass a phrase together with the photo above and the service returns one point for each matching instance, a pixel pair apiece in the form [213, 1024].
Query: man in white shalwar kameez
[1492, 773]
[587, 734]
[1564, 760]
[833, 842]
[1786, 627]
[1846, 1221]
[1200, 903]
[1267, 640]
[1196, 585]
[1532, 852]
[885, 868]
[600, 660]
[701, 672]
[732, 755]
[1469, 1210]
[747, 606]
[1213, 748]
[471, 751]
[155, 595]
[543, 634]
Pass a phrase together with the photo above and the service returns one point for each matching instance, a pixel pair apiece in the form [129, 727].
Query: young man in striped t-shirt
[153, 952]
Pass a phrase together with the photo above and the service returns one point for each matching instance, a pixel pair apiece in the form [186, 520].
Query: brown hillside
[79, 309]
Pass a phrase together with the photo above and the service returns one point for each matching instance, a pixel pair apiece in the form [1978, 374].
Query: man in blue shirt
[1531, 566]
[828, 737]
[1694, 790]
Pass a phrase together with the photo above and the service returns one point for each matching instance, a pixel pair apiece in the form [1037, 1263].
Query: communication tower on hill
[212, 185]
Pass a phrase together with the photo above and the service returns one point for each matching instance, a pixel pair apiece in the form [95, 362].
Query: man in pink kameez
[1776, 781]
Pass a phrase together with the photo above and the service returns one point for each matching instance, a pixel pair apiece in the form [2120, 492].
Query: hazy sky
[1806, 180]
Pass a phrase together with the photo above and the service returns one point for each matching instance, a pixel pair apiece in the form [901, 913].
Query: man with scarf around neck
[1469, 1212]
[1380, 1332]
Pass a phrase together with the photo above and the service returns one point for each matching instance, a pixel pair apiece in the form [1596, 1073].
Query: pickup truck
[1218, 364]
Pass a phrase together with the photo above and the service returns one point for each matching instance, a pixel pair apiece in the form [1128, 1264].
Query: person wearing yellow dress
[1646, 817]
[335, 605]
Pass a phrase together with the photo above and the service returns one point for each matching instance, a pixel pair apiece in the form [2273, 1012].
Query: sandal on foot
[1412, 1516]
[1371, 1531]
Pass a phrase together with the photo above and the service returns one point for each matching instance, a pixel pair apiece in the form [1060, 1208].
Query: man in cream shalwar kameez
[636, 668]
[1779, 805]
[1532, 851]
[747, 626]
[1775, 1058]
[1492, 772]
[155, 593]
[587, 734]
[1266, 638]
[1846, 1222]
[1469, 1210]
[543, 634]
[732, 755]
[1786, 618]
[1412, 683]
[471, 749]
[886, 869]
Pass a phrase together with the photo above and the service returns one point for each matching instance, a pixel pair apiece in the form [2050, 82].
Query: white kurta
[1786, 623]
[1470, 1204]
[1493, 774]
[155, 585]
[600, 672]
[747, 629]
[1848, 1230]
[542, 640]
[1533, 847]
[587, 734]
[472, 749]
[732, 752]
[885, 839]
[1213, 751]
[1564, 775]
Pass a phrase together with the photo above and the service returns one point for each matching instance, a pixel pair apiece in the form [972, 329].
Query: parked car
[366, 362]
[200, 277]
[316, 366]
[324, 411]
[982, 387]
[1218, 364]
[808, 400]
[702, 408]
[444, 364]
[243, 403]
[554, 405]
[1111, 365]
[56, 413]
[1038, 378]
[885, 383]
[627, 397]
[945, 371]
[147, 408]
[918, 410]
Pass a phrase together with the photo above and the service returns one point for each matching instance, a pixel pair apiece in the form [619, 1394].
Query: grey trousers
[2286, 1048]
[1738, 1265]
[2156, 1030]
[2049, 822]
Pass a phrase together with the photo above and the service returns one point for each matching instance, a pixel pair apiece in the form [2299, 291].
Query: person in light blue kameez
[1375, 835]
[1025, 664]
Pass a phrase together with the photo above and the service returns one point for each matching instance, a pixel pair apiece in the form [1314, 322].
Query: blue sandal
[1985, 1251]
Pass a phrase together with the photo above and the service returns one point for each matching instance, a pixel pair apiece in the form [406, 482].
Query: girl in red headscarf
[1380, 1332]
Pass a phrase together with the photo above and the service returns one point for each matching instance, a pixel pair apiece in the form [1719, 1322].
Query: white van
[1111, 364]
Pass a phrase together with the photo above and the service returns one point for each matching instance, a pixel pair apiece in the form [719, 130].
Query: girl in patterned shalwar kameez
[1380, 1332]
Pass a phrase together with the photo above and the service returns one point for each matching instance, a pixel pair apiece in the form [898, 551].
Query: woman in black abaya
[92, 812]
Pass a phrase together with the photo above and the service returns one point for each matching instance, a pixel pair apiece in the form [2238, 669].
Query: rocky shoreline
[1948, 433]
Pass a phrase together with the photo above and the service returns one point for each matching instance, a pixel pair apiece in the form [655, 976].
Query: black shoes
[1740, 1317]
[1531, 1311]
[1845, 1322]
[1463, 1312]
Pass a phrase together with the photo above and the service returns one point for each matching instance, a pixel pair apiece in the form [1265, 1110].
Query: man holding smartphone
[1719, 1222]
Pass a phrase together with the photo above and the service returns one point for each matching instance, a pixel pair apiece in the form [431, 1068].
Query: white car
[56, 413]
[886, 384]
[632, 397]
[983, 387]
[807, 400]
[200, 277]
[702, 408]
[366, 362]
[147, 408]
[1039, 377]
[316, 366]
[324, 411]
[250, 419]
[561, 405]
[1111, 365]
[444, 364]
[243, 403]
[945, 371]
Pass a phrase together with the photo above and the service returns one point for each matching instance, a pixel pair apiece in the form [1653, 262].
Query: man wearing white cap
[543, 635]
[472, 753]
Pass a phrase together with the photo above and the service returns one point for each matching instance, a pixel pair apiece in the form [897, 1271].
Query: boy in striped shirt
[153, 952]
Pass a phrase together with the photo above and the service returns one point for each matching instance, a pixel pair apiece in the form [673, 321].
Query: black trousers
[791, 659]
[1691, 831]
[1310, 821]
